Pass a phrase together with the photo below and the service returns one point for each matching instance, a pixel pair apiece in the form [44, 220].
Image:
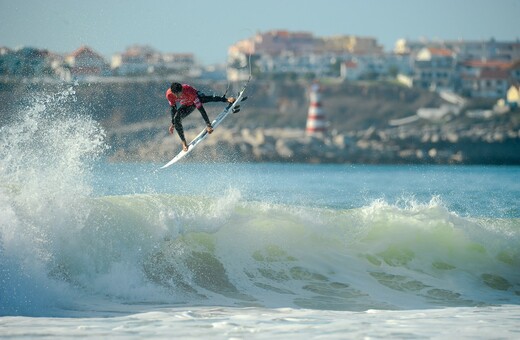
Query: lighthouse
[316, 123]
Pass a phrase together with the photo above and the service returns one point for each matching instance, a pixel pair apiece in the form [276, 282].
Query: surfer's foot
[184, 146]
[231, 100]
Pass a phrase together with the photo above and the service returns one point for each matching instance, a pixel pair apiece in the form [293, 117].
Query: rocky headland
[271, 125]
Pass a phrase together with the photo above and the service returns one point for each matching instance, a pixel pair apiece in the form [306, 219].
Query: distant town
[472, 69]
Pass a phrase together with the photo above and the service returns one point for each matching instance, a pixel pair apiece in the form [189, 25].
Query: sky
[207, 28]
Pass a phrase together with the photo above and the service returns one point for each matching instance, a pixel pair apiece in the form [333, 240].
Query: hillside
[135, 116]
[271, 104]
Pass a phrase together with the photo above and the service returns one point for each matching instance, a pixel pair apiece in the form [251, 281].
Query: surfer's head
[176, 88]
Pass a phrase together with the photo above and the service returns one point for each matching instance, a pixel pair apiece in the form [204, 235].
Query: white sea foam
[281, 323]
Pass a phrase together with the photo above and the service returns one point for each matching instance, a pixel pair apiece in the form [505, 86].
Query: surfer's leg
[207, 99]
[185, 111]
[182, 112]
[177, 121]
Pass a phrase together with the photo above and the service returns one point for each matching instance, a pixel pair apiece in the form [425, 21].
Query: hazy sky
[207, 27]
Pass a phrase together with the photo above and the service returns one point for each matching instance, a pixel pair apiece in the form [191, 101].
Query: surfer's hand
[209, 129]
[171, 129]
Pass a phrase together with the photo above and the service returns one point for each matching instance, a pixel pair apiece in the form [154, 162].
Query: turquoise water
[491, 191]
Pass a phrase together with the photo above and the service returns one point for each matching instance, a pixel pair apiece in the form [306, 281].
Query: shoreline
[371, 146]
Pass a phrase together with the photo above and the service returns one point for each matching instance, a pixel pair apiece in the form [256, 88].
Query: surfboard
[235, 107]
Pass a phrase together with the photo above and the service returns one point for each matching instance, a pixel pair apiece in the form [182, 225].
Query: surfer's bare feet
[231, 100]
[184, 146]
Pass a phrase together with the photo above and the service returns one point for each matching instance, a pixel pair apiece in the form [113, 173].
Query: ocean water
[95, 249]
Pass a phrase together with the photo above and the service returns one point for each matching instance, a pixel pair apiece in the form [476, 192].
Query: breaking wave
[61, 247]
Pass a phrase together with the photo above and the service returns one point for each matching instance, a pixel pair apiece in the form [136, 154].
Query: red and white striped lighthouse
[316, 123]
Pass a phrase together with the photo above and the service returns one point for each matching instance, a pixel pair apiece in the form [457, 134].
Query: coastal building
[486, 49]
[300, 53]
[484, 78]
[351, 70]
[276, 51]
[513, 96]
[85, 62]
[27, 62]
[30, 62]
[464, 49]
[472, 68]
[350, 44]
[177, 61]
[60, 68]
[410, 47]
[289, 63]
[142, 60]
[275, 43]
[373, 66]
[514, 72]
[133, 61]
[434, 68]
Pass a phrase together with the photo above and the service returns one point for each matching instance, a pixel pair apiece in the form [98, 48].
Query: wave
[224, 251]
[60, 247]
[378, 256]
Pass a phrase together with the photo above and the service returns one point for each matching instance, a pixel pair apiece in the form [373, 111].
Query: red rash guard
[188, 97]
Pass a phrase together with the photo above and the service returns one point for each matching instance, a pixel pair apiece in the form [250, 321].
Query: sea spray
[46, 152]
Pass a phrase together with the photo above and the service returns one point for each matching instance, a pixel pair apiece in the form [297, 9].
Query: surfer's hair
[176, 87]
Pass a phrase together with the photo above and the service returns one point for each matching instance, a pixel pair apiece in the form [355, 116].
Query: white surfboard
[203, 134]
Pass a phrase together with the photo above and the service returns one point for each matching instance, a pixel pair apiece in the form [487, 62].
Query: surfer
[189, 98]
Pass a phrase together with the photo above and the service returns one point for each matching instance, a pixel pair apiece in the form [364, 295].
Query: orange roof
[350, 64]
[495, 64]
[85, 50]
[440, 52]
